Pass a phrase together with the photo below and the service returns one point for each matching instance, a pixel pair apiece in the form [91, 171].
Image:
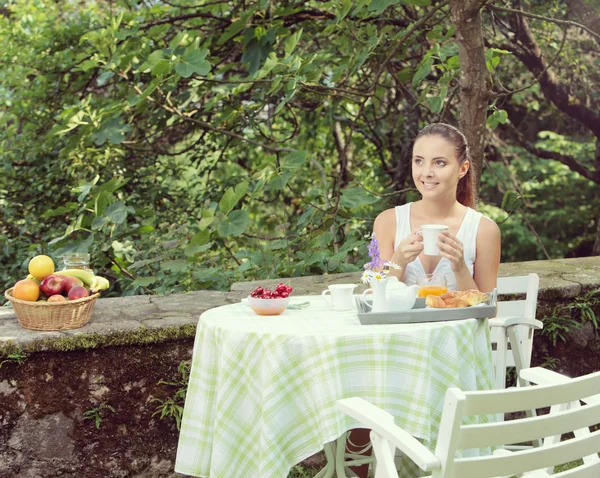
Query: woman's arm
[384, 229]
[487, 262]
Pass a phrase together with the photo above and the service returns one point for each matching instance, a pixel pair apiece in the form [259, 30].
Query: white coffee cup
[430, 233]
[341, 296]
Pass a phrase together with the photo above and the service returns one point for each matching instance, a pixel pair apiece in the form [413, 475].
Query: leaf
[497, 117]
[294, 160]
[200, 238]
[356, 197]
[161, 68]
[423, 71]
[117, 212]
[378, 6]
[174, 266]
[143, 281]
[279, 181]
[233, 29]
[235, 224]
[417, 3]
[232, 197]
[112, 131]
[291, 42]
[99, 222]
[193, 62]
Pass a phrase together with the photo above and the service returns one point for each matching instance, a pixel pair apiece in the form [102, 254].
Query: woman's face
[435, 168]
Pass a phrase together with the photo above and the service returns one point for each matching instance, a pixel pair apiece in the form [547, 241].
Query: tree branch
[567, 23]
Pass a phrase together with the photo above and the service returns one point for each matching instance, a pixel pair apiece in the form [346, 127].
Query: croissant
[474, 297]
[457, 299]
[435, 301]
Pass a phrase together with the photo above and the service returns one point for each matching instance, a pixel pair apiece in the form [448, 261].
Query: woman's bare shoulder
[386, 218]
[488, 230]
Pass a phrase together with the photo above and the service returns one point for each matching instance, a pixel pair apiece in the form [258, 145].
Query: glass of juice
[432, 284]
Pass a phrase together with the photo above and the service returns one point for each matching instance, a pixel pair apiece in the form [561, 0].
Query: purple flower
[373, 249]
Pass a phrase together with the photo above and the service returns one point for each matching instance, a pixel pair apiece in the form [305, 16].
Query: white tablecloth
[262, 390]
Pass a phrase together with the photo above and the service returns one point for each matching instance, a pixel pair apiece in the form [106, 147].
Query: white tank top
[467, 234]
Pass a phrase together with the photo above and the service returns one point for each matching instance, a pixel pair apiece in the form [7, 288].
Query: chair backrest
[455, 435]
[522, 308]
[459, 434]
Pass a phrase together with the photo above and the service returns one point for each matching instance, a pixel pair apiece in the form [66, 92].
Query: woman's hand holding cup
[452, 249]
[408, 249]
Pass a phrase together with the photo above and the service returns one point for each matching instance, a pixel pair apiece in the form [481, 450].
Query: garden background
[190, 144]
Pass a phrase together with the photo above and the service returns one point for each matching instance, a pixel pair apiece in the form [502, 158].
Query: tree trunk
[474, 78]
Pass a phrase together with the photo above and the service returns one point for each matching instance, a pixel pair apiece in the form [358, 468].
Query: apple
[57, 298]
[70, 282]
[52, 285]
[78, 292]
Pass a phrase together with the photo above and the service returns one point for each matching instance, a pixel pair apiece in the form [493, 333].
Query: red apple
[78, 292]
[57, 298]
[52, 285]
[70, 282]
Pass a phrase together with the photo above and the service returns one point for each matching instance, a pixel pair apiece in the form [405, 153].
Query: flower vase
[379, 299]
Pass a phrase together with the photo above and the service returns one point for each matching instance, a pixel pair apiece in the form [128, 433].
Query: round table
[262, 390]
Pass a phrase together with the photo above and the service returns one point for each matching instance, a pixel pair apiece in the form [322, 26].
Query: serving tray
[421, 313]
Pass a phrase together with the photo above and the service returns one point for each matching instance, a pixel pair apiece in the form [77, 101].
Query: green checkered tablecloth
[262, 390]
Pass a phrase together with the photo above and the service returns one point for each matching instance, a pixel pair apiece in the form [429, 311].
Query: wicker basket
[71, 314]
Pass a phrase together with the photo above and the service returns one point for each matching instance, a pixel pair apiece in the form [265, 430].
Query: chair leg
[329, 469]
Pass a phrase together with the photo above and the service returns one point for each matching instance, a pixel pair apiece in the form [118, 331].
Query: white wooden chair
[454, 435]
[513, 327]
[542, 376]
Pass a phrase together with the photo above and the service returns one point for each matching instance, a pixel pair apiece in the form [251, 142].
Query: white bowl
[268, 306]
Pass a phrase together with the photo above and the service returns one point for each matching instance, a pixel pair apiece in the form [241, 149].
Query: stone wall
[112, 372]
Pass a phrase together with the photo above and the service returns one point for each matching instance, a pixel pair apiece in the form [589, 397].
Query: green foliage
[17, 357]
[188, 148]
[172, 407]
[98, 413]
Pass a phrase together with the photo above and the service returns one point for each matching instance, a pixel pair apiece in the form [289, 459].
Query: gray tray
[420, 313]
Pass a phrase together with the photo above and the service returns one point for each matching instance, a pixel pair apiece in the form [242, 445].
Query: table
[262, 390]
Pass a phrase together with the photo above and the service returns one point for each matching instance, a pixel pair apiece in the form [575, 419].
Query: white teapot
[391, 295]
[399, 296]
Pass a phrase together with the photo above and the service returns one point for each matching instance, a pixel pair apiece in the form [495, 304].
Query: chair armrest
[543, 376]
[510, 321]
[379, 421]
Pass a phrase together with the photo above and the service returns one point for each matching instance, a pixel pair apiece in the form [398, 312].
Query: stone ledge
[155, 319]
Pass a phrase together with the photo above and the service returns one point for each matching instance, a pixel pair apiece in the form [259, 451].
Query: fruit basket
[66, 315]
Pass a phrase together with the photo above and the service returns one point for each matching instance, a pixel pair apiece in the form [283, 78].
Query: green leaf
[233, 29]
[343, 11]
[200, 238]
[378, 6]
[294, 160]
[193, 61]
[143, 281]
[497, 117]
[174, 266]
[291, 42]
[112, 131]
[423, 71]
[235, 224]
[279, 181]
[232, 197]
[417, 3]
[117, 212]
[161, 68]
[356, 197]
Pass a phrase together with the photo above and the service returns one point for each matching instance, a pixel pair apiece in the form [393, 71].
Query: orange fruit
[26, 289]
[41, 266]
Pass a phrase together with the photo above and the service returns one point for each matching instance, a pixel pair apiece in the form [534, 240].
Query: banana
[86, 277]
[99, 283]
[93, 282]
[30, 277]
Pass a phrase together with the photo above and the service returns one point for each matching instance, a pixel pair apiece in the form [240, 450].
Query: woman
[469, 251]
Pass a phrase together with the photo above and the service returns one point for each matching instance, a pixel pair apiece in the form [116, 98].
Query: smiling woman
[469, 244]
[469, 255]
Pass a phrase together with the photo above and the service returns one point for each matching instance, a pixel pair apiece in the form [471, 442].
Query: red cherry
[266, 294]
[289, 289]
[284, 295]
[275, 295]
[259, 290]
